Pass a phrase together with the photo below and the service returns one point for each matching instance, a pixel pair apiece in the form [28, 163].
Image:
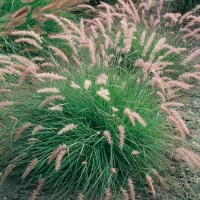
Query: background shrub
[184, 6]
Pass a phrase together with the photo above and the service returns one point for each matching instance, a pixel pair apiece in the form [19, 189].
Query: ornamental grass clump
[103, 134]
[83, 110]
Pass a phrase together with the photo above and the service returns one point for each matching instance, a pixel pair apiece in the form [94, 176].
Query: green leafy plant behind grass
[184, 6]
[104, 124]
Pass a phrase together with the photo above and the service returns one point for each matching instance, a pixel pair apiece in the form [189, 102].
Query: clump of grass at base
[95, 156]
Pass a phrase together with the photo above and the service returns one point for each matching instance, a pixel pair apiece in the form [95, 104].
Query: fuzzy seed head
[48, 90]
[74, 85]
[150, 182]
[56, 108]
[104, 93]
[67, 128]
[101, 79]
[107, 136]
[87, 84]
[121, 130]
[134, 152]
[113, 170]
[114, 109]
[29, 168]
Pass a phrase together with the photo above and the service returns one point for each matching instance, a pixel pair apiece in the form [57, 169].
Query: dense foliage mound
[85, 109]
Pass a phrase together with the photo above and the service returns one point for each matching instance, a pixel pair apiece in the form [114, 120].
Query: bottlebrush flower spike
[23, 129]
[50, 99]
[149, 4]
[165, 109]
[191, 56]
[48, 90]
[197, 66]
[125, 194]
[131, 189]
[128, 40]
[80, 197]
[56, 152]
[47, 64]
[59, 158]
[108, 18]
[86, 6]
[189, 157]
[121, 130]
[4, 90]
[51, 76]
[104, 93]
[113, 170]
[160, 180]
[117, 38]
[157, 47]
[84, 163]
[181, 122]
[107, 136]
[143, 37]
[148, 44]
[108, 194]
[133, 115]
[162, 96]
[29, 41]
[1, 125]
[101, 79]
[74, 85]
[134, 152]
[58, 20]
[177, 125]
[22, 12]
[150, 182]
[174, 17]
[87, 84]
[24, 61]
[37, 58]
[29, 168]
[114, 109]
[128, 112]
[12, 117]
[37, 128]
[161, 5]
[37, 190]
[8, 169]
[6, 103]
[56, 108]
[32, 140]
[59, 53]
[169, 104]
[127, 9]
[195, 75]
[139, 118]
[67, 128]
[179, 84]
